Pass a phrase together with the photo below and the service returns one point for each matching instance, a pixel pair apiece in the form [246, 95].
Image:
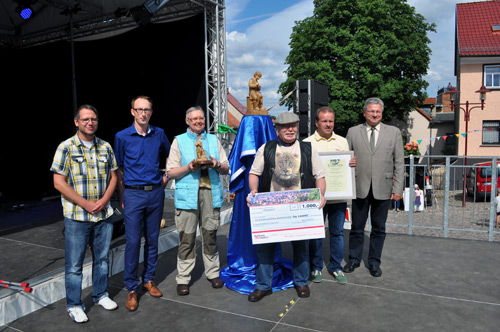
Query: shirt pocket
[78, 165]
[103, 164]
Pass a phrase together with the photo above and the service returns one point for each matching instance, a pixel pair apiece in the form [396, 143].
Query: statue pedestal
[255, 111]
[239, 275]
[202, 162]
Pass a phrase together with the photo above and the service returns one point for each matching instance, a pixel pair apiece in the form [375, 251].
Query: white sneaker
[107, 303]
[77, 314]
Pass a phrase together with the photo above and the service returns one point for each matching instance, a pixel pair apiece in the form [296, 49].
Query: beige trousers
[187, 222]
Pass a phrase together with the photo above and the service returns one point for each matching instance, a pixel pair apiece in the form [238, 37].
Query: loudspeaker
[309, 96]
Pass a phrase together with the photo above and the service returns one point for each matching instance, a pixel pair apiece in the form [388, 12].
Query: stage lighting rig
[142, 14]
[24, 8]
[153, 6]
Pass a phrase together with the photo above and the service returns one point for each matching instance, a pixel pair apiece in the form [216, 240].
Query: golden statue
[254, 99]
[201, 156]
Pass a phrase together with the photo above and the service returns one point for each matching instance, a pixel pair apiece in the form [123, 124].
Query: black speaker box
[309, 96]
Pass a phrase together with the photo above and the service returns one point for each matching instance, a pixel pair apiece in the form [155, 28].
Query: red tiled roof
[233, 101]
[474, 21]
[430, 101]
[425, 115]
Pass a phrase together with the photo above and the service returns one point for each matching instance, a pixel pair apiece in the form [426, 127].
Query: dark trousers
[143, 211]
[378, 215]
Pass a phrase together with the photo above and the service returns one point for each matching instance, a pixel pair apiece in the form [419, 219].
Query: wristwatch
[217, 166]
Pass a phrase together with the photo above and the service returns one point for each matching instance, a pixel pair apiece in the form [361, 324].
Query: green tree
[361, 49]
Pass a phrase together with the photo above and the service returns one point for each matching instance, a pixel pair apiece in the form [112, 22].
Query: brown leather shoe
[216, 282]
[132, 302]
[258, 294]
[152, 289]
[303, 291]
[182, 289]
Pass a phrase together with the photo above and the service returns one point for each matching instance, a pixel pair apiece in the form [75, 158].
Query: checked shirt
[88, 172]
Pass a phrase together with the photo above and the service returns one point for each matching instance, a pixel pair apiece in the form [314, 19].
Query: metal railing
[447, 211]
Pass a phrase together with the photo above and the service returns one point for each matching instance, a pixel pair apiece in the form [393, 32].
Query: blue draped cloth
[239, 275]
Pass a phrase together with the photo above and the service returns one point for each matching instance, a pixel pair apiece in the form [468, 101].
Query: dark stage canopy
[51, 19]
[165, 61]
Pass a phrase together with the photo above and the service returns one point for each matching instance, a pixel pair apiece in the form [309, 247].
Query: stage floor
[428, 284]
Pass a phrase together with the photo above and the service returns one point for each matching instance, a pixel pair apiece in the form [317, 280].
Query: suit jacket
[377, 169]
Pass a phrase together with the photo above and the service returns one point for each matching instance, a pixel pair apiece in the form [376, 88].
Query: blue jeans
[265, 264]
[143, 210]
[336, 218]
[77, 236]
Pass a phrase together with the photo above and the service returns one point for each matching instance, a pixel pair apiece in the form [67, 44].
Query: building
[477, 63]
[235, 112]
[431, 125]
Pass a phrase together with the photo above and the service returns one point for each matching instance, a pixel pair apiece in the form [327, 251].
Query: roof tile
[475, 35]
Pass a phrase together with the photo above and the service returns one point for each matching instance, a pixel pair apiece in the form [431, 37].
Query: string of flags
[432, 139]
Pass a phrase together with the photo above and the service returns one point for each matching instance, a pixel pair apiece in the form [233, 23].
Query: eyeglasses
[196, 119]
[374, 112]
[89, 120]
[142, 110]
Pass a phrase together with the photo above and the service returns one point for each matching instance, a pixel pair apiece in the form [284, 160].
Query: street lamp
[482, 93]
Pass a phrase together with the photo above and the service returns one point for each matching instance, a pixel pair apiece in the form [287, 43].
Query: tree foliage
[361, 49]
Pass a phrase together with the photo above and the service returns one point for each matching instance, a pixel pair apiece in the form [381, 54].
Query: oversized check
[286, 216]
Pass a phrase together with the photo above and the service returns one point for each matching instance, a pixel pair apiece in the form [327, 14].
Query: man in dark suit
[379, 178]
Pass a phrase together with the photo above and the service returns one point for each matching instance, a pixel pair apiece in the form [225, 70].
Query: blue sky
[258, 32]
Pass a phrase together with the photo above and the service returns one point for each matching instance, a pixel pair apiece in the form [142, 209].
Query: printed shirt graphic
[286, 174]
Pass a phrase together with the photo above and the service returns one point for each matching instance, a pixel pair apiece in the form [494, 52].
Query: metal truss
[216, 75]
[215, 64]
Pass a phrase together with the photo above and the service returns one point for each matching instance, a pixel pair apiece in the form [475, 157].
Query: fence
[448, 209]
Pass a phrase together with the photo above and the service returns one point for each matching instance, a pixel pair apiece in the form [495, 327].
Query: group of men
[87, 171]
[289, 164]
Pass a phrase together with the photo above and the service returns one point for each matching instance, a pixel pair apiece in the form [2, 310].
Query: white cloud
[236, 37]
[262, 47]
[234, 8]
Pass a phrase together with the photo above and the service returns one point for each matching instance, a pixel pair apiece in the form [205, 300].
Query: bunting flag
[432, 139]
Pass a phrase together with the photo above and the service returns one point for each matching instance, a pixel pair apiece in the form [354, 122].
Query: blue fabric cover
[239, 275]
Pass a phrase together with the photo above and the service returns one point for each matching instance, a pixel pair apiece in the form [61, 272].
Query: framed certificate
[286, 216]
[340, 177]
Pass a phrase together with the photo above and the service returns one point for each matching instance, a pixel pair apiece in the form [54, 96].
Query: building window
[491, 132]
[492, 76]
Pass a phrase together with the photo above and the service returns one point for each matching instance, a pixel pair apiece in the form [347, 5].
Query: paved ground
[428, 284]
[469, 222]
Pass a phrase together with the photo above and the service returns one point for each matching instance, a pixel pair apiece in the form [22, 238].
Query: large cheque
[286, 216]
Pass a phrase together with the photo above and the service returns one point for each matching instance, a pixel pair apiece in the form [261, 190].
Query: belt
[148, 187]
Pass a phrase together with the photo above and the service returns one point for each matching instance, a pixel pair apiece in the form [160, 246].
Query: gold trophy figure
[201, 156]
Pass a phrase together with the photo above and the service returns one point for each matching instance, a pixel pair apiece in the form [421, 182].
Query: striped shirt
[87, 171]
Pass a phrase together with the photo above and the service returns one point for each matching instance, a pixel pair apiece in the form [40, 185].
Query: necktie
[372, 139]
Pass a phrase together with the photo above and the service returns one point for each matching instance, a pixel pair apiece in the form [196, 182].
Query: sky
[258, 33]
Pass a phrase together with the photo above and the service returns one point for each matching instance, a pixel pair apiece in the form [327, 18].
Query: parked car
[479, 180]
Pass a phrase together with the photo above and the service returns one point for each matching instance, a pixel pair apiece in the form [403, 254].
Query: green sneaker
[340, 277]
[316, 276]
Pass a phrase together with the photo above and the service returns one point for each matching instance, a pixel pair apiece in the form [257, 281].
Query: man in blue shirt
[141, 191]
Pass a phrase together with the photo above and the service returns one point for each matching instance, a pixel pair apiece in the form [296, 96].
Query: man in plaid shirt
[84, 169]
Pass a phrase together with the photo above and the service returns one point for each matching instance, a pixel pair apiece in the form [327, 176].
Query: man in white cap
[285, 164]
